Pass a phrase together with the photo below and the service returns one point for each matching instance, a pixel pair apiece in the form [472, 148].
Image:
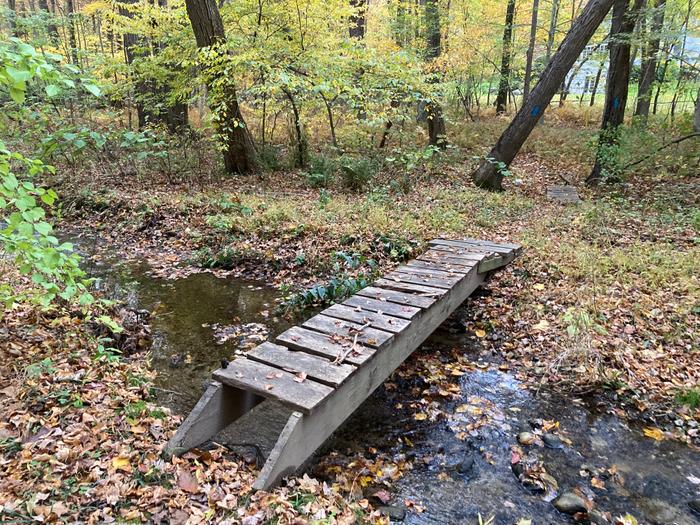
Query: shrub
[357, 173]
[321, 172]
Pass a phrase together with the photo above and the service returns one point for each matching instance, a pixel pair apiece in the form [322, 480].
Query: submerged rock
[597, 518]
[393, 512]
[695, 506]
[570, 503]
[526, 438]
[552, 441]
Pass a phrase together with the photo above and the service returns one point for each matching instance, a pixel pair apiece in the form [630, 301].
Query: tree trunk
[50, 25]
[530, 49]
[649, 61]
[72, 42]
[239, 151]
[553, 20]
[12, 17]
[617, 87]
[436, 121]
[358, 19]
[596, 83]
[301, 157]
[489, 175]
[696, 119]
[504, 84]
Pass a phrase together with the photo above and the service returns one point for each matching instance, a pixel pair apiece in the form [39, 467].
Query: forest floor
[604, 300]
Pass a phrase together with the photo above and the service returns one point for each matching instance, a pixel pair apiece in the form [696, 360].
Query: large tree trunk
[489, 175]
[504, 84]
[650, 60]
[530, 49]
[617, 87]
[239, 151]
[436, 121]
[358, 19]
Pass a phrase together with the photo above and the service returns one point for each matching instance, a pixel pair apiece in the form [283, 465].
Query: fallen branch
[341, 357]
[664, 146]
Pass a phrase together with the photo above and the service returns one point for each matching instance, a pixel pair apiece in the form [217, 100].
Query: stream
[458, 470]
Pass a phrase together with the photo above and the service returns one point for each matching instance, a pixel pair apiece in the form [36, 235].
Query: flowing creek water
[450, 480]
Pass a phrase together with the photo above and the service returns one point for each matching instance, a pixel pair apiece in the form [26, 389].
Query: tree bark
[489, 175]
[12, 17]
[650, 60]
[553, 20]
[436, 121]
[696, 119]
[617, 87]
[72, 42]
[530, 49]
[596, 83]
[239, 150]
[358, 19]
[50, 25]
[504, 84]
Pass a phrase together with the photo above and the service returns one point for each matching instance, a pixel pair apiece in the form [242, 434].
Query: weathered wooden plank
[378, 320]
[317, 368]
[468, 259]
[410, 288]
[273, 383]
[415, 278]
[366, 335]
[440, 266]
[418, 298]
[440, 274]
[452, 251]
[305, 433]
[403, 311]
[321, 344]
[503, 248]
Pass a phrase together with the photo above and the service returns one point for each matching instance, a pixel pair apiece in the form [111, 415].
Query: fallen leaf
[187, 482]
[121, 463]
[480, 333]
[654, 433]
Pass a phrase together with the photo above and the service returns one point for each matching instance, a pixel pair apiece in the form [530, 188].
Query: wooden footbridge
[323, 370]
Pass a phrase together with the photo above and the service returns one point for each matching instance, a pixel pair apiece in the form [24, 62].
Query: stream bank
[439, 441]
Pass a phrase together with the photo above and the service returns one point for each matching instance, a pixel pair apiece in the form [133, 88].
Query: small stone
[466, 465]
[597, 518]
[526, 438]
[552, 441]
[695, 505]
[393, 512]
[570, 503]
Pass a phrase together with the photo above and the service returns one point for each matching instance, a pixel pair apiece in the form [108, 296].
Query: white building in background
[588, 64]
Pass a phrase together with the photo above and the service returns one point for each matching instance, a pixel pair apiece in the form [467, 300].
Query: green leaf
[17, 94]
[92, 88]
[43, 228]
[52, 90]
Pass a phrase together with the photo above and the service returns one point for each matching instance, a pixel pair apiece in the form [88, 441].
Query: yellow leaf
[480, 333]
[654, 433]
[121, 463]
[524, 522]
[420, 416]
[542, 325]
[538, 286]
